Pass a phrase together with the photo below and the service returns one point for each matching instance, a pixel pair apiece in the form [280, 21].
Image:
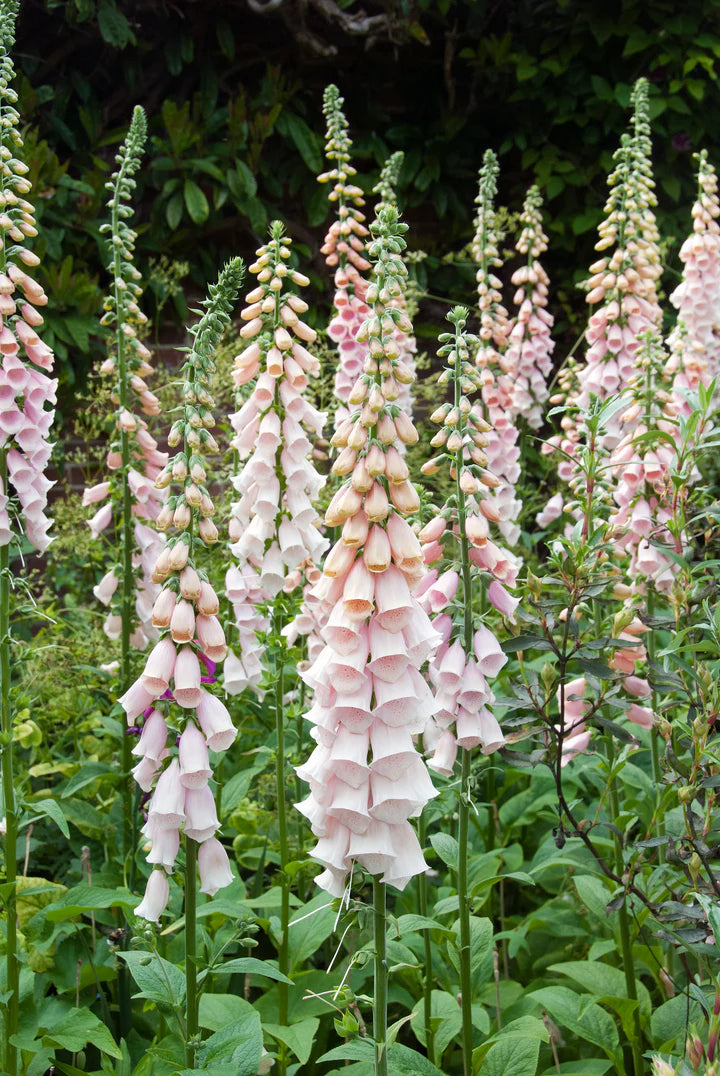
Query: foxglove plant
[129, 497]
[26, 390]
[530, 348]
[169, 692]
[470, 652]
[344, 250]
[366, 777]
[694, 343]
[274, 525]
[503, 451]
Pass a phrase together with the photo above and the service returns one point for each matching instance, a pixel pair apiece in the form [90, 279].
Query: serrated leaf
[89, 898]
[158, 979]
[513, 1054]
[250, 965]
[298, 1037]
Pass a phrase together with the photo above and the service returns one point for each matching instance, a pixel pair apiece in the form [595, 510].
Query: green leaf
[51, 809]
[89, 898]
[309, 928]
[447, 848]
[174, 211]
[238, 1040]
[298, 1037]
[88, 773]
[158, 979]
[669, 1021]
[595, 668]
[481, 935]
[601, 979]
[306, 141]
[114, 27]
[250, 965]
[446, 1016]
[594, 895]
[196, 202]
[68, 1028]
[219, 1010]
[355, 1050]
[410, 924]
[402, 1061]
[588, 1022]
[512, 1054]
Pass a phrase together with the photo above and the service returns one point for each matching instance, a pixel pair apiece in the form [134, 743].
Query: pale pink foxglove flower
[191, 641]
[528, 359]
[366, 778]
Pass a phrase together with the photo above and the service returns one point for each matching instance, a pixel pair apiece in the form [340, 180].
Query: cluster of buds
[25, 361]
[406, 342]
[642, 463]
[694, 343]
[366, 777]
[462, 718]
[502, 449]
[170, 691]
[274, 526]
[134, 459]
[528, 357]
[344, 250]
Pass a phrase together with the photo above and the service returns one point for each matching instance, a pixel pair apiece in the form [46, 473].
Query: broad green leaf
[239, 1043]
[447, 848]
[88, 773]
[174, 211]
[298, 1037]
[114, 27]
[402, 1061]
[512, 1054]
[158, 979]
[601, 979]
[89, 898]
[594, 895]
[669, 1021]
[51, 809]
[250, 965]
[219, 1010]
[309, 928]
[481, 935]
[446, 1016]
[589, 1066]
[69, 1028]
[565, 1007]
[410, 924]
[355, 1050]
[196, 202]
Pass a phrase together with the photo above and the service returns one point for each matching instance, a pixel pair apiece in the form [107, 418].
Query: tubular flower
[528, 357]
[463, 697]
[344, 251]
[366, 778]
[171, 690]
[622, 288]
[694, 343]
[134, 459]
[274, 525]
[26, 390]
[502, 450]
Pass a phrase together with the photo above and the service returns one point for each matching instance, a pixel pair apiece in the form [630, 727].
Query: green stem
[283, 957]
[464, 804]
[11, 959]
[191, 994]
[428, 978]
[624, 918]
[381, 981]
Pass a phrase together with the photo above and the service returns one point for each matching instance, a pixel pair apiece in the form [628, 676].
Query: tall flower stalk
[274, 524]
[366, 778]
[467, 657]
[344, 250]
[169, 692]
[25, 422]
[496, 402]
[134, 460]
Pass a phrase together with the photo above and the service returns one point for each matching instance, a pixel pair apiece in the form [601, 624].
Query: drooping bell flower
[185, 721]
[366, 778]
[134, 459]
[27, 392]
[528, 359]
[274, 527]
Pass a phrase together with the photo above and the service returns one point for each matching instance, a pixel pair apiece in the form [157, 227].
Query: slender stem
[654, 734]
[11, 960]
[283, 957]
[464, 804]
[623, 918]
[191, 994]
[428, 978]
[381, 983]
